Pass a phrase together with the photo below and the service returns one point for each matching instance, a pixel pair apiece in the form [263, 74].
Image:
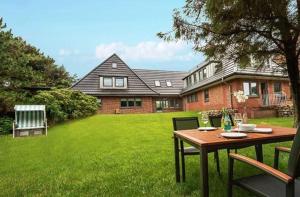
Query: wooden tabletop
[213, 138]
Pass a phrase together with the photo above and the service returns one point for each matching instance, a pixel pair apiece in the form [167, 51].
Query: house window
[206, 95]
[192, 98]
[113, 82]
[189, 80]
[200, 75]
[250, 88]
[195, 77]
[138, 102]
[205, 73]
[119, 81]
[277, 87]
[169, 84]
[99, 101]
[114, 65]
[124, 103]
[131, 102]
[157, 83]
[107, 82]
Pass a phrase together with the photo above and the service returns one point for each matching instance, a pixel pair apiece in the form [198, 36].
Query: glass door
[264, 93]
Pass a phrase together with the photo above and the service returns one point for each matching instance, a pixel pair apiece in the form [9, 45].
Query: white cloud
[148, 50]
[68, 52]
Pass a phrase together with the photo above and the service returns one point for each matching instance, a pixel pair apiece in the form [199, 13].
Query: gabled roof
[175, 77]
[90, 84]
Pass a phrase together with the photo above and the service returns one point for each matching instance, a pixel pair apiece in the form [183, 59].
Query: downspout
[230, 89]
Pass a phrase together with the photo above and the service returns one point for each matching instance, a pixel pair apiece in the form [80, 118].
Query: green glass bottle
[227, 123]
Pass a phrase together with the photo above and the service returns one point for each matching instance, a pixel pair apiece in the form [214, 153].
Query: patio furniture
[29, 120]
[272, 182]
[184, 123]
[207, 142]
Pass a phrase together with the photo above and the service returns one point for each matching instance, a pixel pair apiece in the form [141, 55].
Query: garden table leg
[259, 153]
[204, 172]
[176, 153]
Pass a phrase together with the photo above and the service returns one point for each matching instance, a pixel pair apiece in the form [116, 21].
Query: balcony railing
[276, 99]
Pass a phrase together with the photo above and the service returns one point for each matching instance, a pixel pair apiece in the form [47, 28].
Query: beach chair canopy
[30, 116]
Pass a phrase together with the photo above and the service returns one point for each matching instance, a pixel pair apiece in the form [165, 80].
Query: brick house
[120, 89]
[209, 85]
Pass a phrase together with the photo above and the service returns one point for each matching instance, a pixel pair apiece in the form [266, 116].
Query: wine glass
[238, 118]
[205, 119]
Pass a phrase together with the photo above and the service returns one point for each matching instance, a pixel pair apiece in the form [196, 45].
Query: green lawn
[110, 155]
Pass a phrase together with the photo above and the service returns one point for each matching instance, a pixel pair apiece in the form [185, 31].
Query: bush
[5, 124]
[65, 104]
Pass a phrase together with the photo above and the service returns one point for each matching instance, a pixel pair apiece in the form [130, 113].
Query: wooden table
[211, 141]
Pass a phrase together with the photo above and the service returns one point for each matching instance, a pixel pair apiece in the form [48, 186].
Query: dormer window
[114, 65]
[119, 81]
[107, 82]
[169, 84]
[157, 83]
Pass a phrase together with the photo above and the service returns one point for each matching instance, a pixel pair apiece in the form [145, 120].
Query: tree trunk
[293, 72]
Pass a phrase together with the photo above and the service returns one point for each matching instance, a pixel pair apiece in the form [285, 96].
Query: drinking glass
[204, 119]
[238, 118]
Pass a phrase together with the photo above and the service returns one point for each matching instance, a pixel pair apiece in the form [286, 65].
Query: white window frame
[116, 78]
[125, 85]
[112, 82]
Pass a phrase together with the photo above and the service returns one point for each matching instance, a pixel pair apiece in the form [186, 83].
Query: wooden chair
[272, 182]
[185, 123]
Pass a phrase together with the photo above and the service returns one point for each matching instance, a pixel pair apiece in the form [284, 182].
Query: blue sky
[81, 34]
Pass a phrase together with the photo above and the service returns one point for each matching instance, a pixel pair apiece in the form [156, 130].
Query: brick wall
[220, 96]
[110, 104]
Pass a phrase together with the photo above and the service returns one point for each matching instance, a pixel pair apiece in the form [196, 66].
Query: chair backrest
[216, 120]
[30, 119]
[294, 158]
[184, 123]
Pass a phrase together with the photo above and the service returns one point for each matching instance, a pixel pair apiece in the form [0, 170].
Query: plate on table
[233, 135]
[207, 128]
[256, 130]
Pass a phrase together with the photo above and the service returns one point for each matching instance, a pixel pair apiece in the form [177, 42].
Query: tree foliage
[66, 104]
[23, 66]
[243, 30]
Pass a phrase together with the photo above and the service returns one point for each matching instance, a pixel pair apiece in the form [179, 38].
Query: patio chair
[184, 123]
[272, 182]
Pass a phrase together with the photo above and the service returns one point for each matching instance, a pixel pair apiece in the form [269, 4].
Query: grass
[111, 155]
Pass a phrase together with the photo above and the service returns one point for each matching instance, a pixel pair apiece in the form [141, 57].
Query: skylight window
[169, 84]
[157, 83]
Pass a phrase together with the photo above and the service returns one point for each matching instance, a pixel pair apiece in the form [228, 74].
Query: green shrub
[65, 104]
[5, 124]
